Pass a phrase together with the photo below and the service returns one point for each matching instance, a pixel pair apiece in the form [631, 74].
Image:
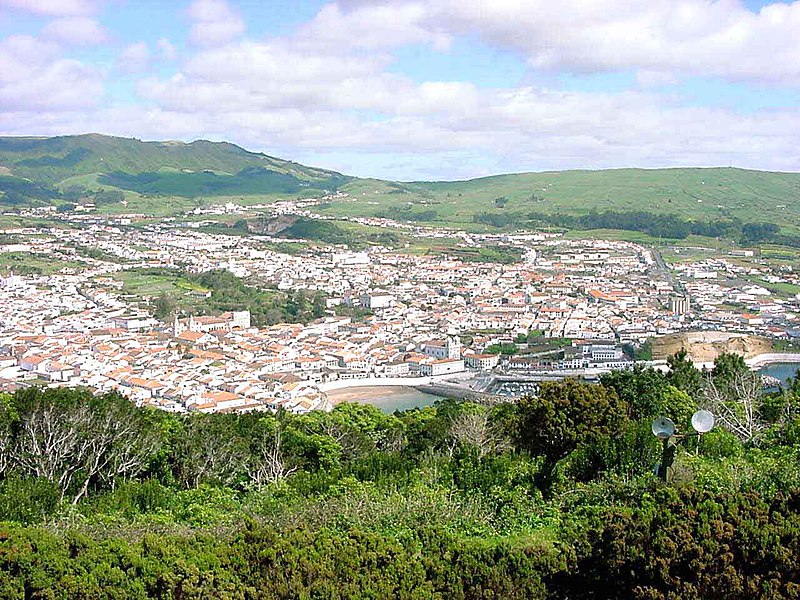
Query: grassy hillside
[164, 177]
[93, 162]
[699, 194]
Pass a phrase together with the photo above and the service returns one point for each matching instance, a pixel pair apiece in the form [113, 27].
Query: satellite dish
[702, 421]
[663, 428]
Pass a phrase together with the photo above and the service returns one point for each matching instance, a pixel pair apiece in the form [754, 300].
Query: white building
[483, 362]
[225, 322]
[376, 301]
[443, 366]
[449, 349]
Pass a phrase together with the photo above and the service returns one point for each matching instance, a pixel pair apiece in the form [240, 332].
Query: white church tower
[453, 347]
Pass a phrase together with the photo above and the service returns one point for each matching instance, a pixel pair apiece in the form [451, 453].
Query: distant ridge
[39, 170]
[52, 170]
[50, 160]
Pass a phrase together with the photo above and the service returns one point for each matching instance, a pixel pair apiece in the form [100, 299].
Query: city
[567, 307]
[400, 299]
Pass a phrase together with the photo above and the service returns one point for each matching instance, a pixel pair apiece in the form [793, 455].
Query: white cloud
[134, 58]
[499, 131]
[167, 49]
[298, 99]
[76, 31]
[268, 75]
[55, 8]
[680, 37]
[330, 88]
[371, 26]
[214, 23]
[279, 74]
[34, 77]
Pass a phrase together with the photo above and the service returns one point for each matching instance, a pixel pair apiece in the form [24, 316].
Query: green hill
[38, 169]
[702, 194]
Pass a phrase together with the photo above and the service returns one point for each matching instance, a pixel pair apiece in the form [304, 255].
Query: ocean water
[780, 371]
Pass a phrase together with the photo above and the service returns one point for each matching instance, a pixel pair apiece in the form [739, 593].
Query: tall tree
[683, 374]
[565, 415]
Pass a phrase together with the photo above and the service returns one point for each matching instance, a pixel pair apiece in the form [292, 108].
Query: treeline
[266, 306]
[231, 293]
[17, 192]
[252, 180]
[490, 253]
[333, 233]
[408, 213]
[653, 224]
[551, 497]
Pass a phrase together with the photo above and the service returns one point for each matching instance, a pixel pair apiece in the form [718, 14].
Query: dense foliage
[488, 253]
[21, 192]
[266, 307]
[331, 232]
[408, 213]
[653, 224]
[249, 181]
[230, 293]
[552, 497]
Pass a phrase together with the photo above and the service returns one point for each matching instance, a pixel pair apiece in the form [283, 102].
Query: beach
[386, 398]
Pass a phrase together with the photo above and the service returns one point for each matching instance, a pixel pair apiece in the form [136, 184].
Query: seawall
[769, 359]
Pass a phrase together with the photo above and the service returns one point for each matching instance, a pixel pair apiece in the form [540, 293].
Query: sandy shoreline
[370, 394]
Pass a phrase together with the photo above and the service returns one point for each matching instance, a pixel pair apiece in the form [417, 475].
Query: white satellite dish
[663, 428]
[702, 421]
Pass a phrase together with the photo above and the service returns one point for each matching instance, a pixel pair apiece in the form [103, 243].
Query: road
[667, 272]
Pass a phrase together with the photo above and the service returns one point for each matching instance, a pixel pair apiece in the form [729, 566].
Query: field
[143, 285]
[698, 194]
[27, 263]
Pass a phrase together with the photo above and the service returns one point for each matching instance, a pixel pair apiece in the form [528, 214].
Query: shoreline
[374, 395]
[763, 360]
[378, 395]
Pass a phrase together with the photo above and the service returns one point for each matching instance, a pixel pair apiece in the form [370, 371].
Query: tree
[735, 395]
[122, 443]
[727, 367]
[108, 197]
[207, 451]
[505, 348]
[74, 439]
[7, 418]
[473, 428]
[268, 462]
[165, 306]
[648, 394]
[683, 374]
[73, 193]
[736, 400]
[566, 415]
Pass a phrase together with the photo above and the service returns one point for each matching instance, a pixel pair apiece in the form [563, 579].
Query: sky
[417, 90]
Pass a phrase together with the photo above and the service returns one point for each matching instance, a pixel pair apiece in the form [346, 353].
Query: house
[398, 368]
[482, 362]
[751, 319]
[444, 366]
[225, 322]
[33, 364]
[195, 338]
